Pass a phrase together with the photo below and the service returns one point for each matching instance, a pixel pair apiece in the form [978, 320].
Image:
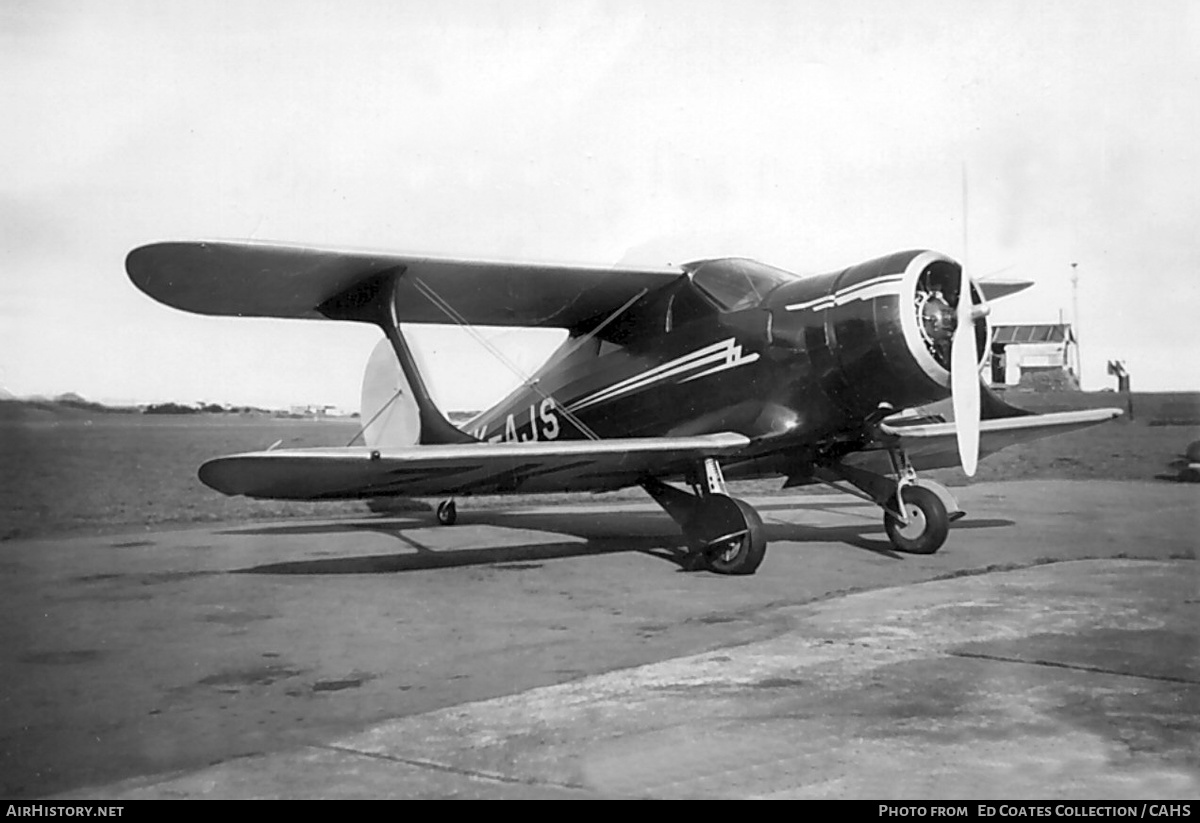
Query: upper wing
[470, 468]
[934, 445]
[996, 289]
[263, 280]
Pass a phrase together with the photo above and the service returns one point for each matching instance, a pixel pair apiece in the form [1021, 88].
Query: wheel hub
[726, 548]
[916, 523]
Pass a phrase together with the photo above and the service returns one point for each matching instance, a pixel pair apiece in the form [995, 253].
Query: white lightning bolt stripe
[642, 381]
[728, 364]
[856, 292]
[703, 353]
[725, 355]
[850, 293]
[878, 290]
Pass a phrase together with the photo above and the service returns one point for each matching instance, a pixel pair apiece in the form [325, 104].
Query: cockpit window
[734, 283]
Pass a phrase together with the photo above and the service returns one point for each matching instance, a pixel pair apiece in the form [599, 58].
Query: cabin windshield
[734, 283]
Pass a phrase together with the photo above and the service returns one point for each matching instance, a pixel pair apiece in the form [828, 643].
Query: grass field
[75, 471]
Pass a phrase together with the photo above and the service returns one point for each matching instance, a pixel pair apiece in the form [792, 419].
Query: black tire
[447, 513]
[744, 553]
[928, 522]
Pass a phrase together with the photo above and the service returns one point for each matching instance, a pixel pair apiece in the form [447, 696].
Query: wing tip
[999, 289]
[136, 262]
[154, 268]
[216, 475]
[1099, 415]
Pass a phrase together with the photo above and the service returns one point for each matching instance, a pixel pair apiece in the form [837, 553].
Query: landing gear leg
[724, 534]
[447, 512]
[915, 518]
[916, 513]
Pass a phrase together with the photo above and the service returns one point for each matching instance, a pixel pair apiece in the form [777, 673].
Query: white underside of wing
[934, 445]
[1056, 421]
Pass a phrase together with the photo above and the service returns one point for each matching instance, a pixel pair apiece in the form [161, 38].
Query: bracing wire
[526, 380]
[363, 429]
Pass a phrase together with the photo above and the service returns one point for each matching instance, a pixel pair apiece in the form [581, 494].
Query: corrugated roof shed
[1033, 333]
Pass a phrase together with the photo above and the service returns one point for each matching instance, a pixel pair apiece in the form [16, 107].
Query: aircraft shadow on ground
[608, 532]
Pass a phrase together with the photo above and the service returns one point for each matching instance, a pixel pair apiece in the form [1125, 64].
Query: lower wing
[470, 468]
[933, 445]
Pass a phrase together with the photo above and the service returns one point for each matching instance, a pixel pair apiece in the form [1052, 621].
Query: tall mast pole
[1075, 322]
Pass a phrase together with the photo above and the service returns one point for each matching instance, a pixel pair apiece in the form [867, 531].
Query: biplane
[672, 379]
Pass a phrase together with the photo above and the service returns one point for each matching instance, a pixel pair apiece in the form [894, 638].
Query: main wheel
[733, 536]
[928, 523]
[447, 513]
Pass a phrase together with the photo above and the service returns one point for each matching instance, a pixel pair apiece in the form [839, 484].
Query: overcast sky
[809, 135]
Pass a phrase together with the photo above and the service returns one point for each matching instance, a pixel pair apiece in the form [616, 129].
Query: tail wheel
[928, 524]
[735, 542]
[447, 513]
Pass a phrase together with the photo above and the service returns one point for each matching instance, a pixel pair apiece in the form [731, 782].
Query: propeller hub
[936, 309]
[937, 324]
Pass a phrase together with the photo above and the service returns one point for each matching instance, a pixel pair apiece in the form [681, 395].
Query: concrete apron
[1070, 680]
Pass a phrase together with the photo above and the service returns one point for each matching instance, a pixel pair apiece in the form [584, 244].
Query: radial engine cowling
[880, 331]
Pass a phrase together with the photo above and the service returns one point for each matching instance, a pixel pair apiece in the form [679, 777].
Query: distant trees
[201, 408]
[74, 401]
[172, 408]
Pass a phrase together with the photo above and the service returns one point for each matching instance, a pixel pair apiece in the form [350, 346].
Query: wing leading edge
[268, 280]
[472, 468]
[934, 446]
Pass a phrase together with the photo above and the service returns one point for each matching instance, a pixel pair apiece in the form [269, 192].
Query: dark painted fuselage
[797, 364]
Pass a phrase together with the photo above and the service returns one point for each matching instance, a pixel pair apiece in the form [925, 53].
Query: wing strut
[373, 301]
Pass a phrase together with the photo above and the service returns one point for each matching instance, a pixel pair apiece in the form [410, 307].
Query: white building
[1034, 355]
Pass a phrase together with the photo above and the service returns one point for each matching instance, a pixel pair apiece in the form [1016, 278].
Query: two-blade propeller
[964, 375]
[964, 360]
